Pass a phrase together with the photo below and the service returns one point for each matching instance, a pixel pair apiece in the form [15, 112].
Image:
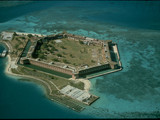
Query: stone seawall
[52, 67]
[94, 69]
[104, 73]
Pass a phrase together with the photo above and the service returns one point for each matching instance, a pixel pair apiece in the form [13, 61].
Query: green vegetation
[79, 85]
[70, 52]
[30, 35]
[58, 81]
[92, 61]
[41, 56]
[23, 37]
[15, 34]
[59, 55]
[71, 56]
[65, 61]
[81, 42]
[63, 47]
[17, 44]
[53, 48]
[55, 59]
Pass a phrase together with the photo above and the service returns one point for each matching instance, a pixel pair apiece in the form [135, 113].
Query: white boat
[4, 53]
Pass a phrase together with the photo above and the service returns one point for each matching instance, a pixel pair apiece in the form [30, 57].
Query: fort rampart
[106, 54]
[94, 69]
[51, 67]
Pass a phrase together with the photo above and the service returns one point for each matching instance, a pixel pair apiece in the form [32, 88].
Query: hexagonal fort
[74, 55]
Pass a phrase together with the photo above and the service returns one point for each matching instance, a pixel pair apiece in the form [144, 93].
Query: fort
[62, 62]
[107, 49]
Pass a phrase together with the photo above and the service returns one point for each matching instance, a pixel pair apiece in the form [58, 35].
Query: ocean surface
[133, 92]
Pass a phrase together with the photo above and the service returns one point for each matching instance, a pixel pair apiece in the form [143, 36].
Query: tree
[53, 48]
[16, 46]
[59, 55]
[30, 35]
[52, 52]
[20, 49]
[92, 61]
[85, 50]
[55, 59]
[64, 53]
[81, 42]
[47, 49]
[53, 42]
[15, 34]
[23, 37]
[65, 61]
[45, 45]
[71, 55]
[41, 56]
[63, 47]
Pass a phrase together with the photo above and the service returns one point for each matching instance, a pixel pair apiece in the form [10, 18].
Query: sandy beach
[11, 64]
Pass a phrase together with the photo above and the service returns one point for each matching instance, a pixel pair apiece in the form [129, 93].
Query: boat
[3, 54]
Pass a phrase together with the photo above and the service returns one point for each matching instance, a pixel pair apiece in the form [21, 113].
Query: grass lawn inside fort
[74, 53]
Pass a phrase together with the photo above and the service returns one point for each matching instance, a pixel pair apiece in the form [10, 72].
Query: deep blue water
[19, 99]
[132, 92]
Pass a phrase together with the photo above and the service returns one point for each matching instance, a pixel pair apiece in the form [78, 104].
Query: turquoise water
[133, 92]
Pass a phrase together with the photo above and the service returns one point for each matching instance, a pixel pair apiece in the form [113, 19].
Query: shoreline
[44, 85]
[87, 83]
[8, 71]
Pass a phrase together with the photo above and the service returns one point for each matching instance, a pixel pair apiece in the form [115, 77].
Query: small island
[62, 63]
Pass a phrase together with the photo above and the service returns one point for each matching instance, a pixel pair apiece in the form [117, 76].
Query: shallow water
[132, 92]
